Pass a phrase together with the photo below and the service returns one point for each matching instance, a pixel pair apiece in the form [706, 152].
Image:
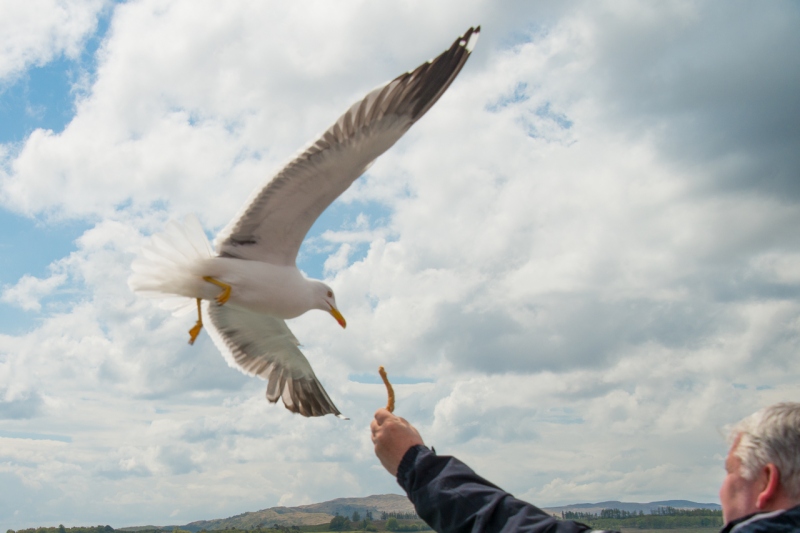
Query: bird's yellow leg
[226, 289]
[195, 331]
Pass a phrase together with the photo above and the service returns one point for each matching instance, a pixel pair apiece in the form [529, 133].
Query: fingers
[393, 437]
[382, 414]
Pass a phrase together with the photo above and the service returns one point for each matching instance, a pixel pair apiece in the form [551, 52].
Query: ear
[773, 482]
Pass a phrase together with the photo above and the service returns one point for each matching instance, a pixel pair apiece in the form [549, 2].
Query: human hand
[392, 436]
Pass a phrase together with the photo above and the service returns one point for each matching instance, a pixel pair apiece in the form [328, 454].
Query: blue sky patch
[28, 246]
[44, 96]
[34, 436]
[545, 111]
[519, 94]
[41, 98]
[339, 216]
[374, 379]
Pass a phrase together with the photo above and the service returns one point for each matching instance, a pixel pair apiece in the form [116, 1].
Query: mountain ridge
[323, 512]
[629, 506]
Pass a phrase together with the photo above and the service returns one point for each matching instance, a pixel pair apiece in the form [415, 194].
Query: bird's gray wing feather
[275, 221]
[263, 346]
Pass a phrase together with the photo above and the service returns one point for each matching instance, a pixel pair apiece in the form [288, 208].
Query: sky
[579, 267]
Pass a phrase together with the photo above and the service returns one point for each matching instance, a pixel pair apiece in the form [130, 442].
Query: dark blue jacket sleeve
[452, 498]
[783, 521]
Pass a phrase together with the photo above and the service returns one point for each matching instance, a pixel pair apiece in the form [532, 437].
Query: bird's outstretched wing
[263, 346]
[276, 219]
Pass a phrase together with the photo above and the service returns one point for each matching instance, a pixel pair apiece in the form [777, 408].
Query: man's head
[763, 464]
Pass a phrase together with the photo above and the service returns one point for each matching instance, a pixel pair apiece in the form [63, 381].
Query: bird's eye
[330, 294]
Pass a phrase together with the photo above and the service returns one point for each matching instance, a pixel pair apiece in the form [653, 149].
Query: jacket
[784, 521]
[452, 498]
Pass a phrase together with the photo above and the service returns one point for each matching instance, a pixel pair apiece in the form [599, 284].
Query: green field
[684, 530]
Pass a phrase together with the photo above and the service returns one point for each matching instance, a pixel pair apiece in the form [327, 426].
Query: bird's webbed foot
[195, 331]
[226, 289]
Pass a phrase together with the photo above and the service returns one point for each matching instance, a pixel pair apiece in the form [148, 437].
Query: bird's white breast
[278, 291]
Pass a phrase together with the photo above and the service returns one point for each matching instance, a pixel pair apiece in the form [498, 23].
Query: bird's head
[327, 302]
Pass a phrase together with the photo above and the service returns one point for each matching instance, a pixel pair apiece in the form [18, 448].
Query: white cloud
[34, 32]
[29, 290]
[590, 251]
[339, 260]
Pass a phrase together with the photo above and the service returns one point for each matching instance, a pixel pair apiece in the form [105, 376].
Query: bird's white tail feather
[168, 265]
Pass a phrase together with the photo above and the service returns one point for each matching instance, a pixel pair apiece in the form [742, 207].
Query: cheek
[725, 489]
[735, 497]
[727, 482]
[728, 507]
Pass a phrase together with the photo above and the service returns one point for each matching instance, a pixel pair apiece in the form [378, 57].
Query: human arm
[447, 494]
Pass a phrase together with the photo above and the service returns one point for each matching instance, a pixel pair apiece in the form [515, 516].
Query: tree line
[62, 529]
[391, 522]
[659, 518]
[399, 516]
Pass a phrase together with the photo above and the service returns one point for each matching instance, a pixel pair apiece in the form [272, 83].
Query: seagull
[249, 285]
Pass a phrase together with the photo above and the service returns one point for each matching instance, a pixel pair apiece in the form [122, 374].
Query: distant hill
[302, 515]
[390, 503]
[630, 507]
[323, 513]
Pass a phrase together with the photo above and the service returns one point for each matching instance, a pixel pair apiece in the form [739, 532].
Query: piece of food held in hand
[249, 284]
[389, 389]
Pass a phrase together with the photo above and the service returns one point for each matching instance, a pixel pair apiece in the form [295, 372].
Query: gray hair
[771, 435]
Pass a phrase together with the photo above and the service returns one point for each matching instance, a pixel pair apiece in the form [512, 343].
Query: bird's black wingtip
[470, 37]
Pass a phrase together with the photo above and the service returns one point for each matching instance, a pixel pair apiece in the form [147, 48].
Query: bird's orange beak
[338, 316]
